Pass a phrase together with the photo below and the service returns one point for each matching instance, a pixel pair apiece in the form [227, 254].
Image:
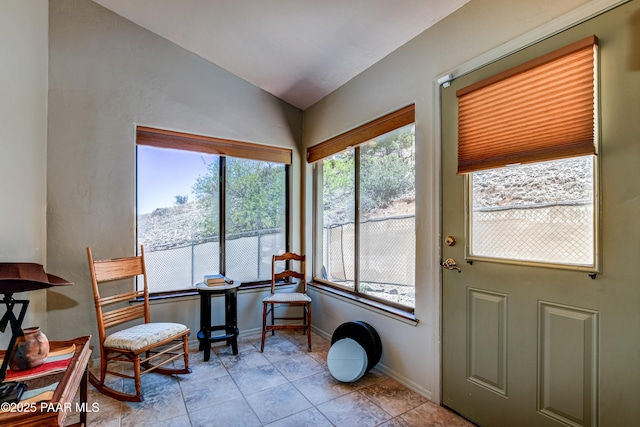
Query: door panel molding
[487, 339]
[568, 364]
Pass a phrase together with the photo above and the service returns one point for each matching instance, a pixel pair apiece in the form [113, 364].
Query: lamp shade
[26, 276]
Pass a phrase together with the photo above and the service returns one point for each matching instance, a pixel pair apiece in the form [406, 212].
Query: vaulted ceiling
[297, 50]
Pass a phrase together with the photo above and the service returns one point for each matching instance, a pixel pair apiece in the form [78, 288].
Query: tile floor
[285, 386]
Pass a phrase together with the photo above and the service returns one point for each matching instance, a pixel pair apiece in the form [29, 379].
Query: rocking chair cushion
[141, 336]
[287, 297]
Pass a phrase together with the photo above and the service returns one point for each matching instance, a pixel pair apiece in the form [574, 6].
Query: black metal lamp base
[11, 392]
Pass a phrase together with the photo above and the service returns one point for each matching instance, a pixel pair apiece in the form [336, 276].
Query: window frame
[223, 148]
[353, 139]
[592, 269]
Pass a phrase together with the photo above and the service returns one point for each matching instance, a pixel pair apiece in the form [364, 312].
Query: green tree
[387, 172]
[206, 190]
[338, 187]
[254, 195]
[387, 169]
[181, 200]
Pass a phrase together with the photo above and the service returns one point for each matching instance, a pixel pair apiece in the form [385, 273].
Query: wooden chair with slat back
[287, 299]
[148, 346]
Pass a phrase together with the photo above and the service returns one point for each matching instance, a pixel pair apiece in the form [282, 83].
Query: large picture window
[205, 207]
[365, 210]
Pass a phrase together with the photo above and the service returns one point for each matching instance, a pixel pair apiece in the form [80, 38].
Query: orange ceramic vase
[31, 349]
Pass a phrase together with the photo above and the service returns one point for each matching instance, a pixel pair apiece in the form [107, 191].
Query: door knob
[450, 264]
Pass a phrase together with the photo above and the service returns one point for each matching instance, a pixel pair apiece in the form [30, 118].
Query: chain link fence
[387, 257]
[248, 259]
[559, 233]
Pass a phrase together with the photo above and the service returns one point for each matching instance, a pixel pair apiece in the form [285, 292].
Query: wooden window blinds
[362, 134]
[541, 110]
[210, 145]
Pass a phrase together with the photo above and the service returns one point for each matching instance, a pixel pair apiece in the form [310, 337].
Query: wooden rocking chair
[148, 346]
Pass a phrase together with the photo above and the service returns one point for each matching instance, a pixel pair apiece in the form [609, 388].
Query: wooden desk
[53, 412]
[230, 327]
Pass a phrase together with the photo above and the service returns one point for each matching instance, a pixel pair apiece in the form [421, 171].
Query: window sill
[171, 295]
[385, 309]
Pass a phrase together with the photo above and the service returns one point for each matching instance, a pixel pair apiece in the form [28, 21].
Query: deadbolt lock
[450, 241]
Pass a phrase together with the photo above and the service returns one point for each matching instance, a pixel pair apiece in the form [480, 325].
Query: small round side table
[230, 327]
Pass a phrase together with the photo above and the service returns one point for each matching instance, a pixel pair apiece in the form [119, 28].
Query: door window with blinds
[527, 141]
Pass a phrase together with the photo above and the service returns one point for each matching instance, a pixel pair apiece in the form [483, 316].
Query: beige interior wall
[23, 143]
[412, 353]
[106, 76]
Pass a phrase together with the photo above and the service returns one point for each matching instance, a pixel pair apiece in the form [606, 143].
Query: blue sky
[164, 174]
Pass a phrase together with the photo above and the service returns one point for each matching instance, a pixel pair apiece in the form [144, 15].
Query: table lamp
[19, 277]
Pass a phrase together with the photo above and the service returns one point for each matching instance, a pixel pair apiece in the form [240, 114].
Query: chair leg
[308, 322]
[185, 349]
[136, 374]
[264, 325]
[103, 367]
[304, 318]
[273, 318]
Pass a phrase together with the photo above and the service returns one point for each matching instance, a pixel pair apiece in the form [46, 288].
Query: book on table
[216, 280]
